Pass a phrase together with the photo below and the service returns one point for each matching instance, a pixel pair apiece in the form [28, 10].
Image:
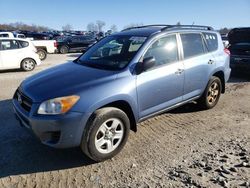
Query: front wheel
[28, 64]
[106, 134]
[211, 94]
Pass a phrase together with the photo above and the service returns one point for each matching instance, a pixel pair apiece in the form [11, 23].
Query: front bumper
[59, 131]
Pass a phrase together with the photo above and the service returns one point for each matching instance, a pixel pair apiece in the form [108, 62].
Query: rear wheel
[106, 134]
[212, 93]
[64, 50]
[42, 54]
[28, 64]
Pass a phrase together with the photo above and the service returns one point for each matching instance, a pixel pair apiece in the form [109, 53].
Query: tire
[42, 54]
[211, 94]
[105, 134]
[28, 64]
[64, 50]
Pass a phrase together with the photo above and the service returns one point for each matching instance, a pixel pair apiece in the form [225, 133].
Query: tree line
[97, 26]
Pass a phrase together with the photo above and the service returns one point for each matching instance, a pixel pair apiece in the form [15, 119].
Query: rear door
[198, 63]
[11, 53]
[161, 86]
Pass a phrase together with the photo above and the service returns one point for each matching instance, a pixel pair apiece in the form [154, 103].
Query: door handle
[179, 71]
[210, 62]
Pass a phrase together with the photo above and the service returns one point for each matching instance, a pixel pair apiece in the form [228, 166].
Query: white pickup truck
[43, 46]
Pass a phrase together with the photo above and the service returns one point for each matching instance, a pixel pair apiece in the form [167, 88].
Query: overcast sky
[78, 13]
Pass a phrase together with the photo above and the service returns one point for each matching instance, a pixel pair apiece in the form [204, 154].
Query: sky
[78, 13]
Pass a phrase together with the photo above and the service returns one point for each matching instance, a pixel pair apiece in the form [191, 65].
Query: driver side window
[164, 50]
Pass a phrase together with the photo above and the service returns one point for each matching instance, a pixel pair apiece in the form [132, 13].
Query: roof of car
[12, 38]
[145, 31]
[148, 30]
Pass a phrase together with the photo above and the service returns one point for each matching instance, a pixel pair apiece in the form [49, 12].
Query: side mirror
[147, 63]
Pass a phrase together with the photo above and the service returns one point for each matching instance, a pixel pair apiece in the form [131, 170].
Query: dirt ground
[185, 147]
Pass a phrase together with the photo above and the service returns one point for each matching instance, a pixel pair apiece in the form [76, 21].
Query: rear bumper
[60, 131]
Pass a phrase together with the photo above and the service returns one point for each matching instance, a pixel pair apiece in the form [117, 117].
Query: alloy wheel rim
[41, 55]
[213, 93]
[28, 65]
[109, 135]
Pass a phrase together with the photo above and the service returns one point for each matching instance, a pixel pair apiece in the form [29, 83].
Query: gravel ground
[182, 148]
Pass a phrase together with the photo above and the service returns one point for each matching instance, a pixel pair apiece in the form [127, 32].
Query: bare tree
[22, 26]
[92, 27]
[113, 28]
[67, 27]
[100, 24]
[133, 25]
[178, 23]
[224, 30]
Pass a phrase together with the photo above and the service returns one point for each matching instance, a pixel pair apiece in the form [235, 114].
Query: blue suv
[125, 78]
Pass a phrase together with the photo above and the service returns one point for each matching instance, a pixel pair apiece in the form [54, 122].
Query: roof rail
[187, 27]
[144, 26]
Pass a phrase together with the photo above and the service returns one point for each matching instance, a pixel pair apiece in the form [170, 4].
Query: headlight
[58, 105]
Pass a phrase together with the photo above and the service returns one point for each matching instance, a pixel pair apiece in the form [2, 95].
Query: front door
[161, 86]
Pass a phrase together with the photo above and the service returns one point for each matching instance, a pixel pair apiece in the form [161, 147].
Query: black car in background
[77, 43]
[239, 46]
[35, 35]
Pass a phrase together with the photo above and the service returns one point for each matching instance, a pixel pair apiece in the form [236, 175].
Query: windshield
[112, 53]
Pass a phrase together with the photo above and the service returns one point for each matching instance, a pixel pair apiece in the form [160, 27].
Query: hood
[239, 35]
[66, 79]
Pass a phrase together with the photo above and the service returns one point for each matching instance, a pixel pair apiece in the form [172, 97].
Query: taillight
[227, 51]
[55, 44]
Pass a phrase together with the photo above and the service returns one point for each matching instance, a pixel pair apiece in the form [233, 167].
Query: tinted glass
[23, 43]
[4, 35]
[114, 52]
[212, 41]
[163, 50]
[9, 45]
[240, 49]
[192, 44]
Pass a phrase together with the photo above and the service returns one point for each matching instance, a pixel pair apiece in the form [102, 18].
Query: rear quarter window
[211, 41]
[23, 44]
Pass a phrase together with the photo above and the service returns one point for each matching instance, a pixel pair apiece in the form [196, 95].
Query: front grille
[23, 100]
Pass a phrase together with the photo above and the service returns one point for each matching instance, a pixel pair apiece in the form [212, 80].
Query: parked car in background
[43, 46]
[18, 53]
[239, 47]
[123, 79]
[36, 36]
[74, 43]
[7, 34]
[225, 40]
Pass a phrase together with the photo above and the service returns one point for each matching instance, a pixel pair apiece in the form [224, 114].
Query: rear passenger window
[192, 44]
[164, 50]
[212, 41]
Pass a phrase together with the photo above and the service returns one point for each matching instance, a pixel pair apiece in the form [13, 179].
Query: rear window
[4, 35]
[192, 44]
[212, 41]
[240, 49]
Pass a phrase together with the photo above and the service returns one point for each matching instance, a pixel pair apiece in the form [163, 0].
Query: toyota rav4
[125, 78]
